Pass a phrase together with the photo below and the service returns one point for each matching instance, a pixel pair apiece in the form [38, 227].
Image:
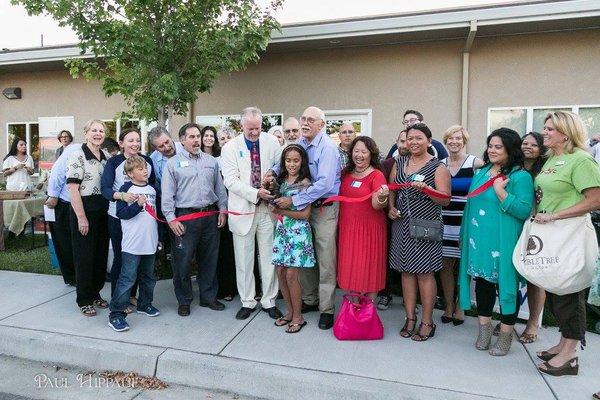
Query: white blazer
[235, 158]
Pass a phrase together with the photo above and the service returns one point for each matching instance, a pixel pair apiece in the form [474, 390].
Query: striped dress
[407, 254]
[453, 213]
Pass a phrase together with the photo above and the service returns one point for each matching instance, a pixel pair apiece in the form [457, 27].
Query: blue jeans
[133, 267]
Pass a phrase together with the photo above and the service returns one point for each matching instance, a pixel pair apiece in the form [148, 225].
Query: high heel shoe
[485, 337]
[571, 367]
[417, 337]
[446, 320]
[545, 355]
[405, 332]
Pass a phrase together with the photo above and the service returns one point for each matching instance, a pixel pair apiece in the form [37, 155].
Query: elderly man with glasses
[318, 284]
[291, 130]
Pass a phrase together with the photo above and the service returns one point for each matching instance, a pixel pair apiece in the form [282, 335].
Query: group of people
[313, 215]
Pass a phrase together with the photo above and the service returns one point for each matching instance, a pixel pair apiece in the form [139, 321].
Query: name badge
[559, 163]
[356, 184]
[183, 164]
[418, 178]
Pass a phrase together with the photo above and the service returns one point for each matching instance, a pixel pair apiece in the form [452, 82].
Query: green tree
[159, 54]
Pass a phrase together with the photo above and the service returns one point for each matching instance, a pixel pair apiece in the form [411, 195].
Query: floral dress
[292, 241]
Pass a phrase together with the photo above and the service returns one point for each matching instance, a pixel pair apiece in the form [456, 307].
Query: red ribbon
[427, 190]
[189, 217]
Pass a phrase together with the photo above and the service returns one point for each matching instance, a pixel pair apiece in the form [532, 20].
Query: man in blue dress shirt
[318, 284]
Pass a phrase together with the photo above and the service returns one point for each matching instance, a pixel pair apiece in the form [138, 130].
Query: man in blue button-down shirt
[318, 285]
[59, 200]
[164, 148]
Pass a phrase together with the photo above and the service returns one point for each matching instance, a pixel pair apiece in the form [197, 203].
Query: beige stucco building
[482, 67]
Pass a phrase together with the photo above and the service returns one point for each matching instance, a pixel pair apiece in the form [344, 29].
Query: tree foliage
[159, 54]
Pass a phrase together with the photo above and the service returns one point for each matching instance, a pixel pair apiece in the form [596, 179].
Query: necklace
[356, 170]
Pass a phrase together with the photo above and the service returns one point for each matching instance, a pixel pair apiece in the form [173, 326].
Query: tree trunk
[170, 116]
[162, 117]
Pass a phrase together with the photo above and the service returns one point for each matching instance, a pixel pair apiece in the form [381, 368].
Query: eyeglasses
[63, 137]
[411, 121]
[295, 130]
[309, 120]
[347, 132]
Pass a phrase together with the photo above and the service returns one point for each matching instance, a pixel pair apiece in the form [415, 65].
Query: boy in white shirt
[140, 239]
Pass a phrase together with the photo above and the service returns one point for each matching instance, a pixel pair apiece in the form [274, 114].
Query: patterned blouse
[86, 170]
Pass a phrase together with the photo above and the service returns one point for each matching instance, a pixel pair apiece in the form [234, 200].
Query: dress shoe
[273, 312]
[244, 312]
[326, 321]
[306, 308]
[215, 305]
[183, 310]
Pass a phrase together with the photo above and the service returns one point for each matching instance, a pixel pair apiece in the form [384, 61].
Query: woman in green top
[490, 228]
[568, 186]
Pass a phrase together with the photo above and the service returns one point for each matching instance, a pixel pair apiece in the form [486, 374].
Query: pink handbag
[358, 319]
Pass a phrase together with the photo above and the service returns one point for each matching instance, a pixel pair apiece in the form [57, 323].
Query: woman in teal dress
[491, 226]
[292, 241]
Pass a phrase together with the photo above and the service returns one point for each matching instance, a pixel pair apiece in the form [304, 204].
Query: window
[360, 119]
[526, 119]
[30, 133]
[218, 121]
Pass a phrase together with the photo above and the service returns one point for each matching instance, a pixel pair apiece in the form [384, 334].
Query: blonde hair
[133, 162]
[572, 127]
[454, 129]
[88, 125]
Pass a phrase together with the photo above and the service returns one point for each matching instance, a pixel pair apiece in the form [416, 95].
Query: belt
[319, 203]
[190, 210]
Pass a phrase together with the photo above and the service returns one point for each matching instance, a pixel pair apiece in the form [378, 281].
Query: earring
[566, 139]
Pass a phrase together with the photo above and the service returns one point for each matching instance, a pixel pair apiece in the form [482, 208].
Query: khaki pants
[244, 247]
[318, 284]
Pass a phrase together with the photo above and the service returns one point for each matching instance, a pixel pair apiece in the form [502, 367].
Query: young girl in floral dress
[293, 243]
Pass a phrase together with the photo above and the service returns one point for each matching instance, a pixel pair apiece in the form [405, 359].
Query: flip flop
[292, 326]
[282, 321]
[527, 338]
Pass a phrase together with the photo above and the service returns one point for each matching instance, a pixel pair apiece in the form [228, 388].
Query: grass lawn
[17, 256]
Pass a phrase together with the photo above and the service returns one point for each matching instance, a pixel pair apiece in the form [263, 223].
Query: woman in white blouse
[17, 167]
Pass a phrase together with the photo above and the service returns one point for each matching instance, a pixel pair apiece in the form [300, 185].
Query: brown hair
[133, 162]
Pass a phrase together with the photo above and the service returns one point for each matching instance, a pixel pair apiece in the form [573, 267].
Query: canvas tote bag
[559, 256]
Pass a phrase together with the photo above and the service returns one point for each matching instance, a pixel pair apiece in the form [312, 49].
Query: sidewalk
[40, 321]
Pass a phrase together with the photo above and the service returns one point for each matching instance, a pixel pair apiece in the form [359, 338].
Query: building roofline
[430, 20]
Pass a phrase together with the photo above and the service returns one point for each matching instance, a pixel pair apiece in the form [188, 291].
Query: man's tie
[255, 166]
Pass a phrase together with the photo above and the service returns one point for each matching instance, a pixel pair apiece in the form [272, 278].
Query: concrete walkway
[39, 321]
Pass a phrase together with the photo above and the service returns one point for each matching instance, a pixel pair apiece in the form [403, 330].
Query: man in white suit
[246, 159]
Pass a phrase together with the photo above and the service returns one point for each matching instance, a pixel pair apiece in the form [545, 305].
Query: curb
[87, 353]
[196, 370]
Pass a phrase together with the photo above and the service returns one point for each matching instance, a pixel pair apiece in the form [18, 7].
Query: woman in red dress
[362, 237]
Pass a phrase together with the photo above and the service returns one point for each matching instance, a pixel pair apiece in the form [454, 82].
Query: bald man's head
[312, 122]
[291, 130]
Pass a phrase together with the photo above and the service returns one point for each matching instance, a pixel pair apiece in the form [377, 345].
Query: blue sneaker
[149, 310]
[119, 324]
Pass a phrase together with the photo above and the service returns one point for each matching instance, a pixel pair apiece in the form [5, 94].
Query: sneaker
[149, 310]
[384, 302]
[119, 324]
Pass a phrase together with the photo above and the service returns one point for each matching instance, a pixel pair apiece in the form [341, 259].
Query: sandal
[571, 367]
[527, 338]
[133, 301]
[88, 311]
[405, 332]
[281, 321]
[101, 303]
[596, 396]
[545, 355]
[292, 327]
[129, 310]
[417, 337]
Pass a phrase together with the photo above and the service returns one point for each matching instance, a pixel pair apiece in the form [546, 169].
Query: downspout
[465, 74]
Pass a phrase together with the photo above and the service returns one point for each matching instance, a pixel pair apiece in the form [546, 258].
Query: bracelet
[382, 202]
[122, 196]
